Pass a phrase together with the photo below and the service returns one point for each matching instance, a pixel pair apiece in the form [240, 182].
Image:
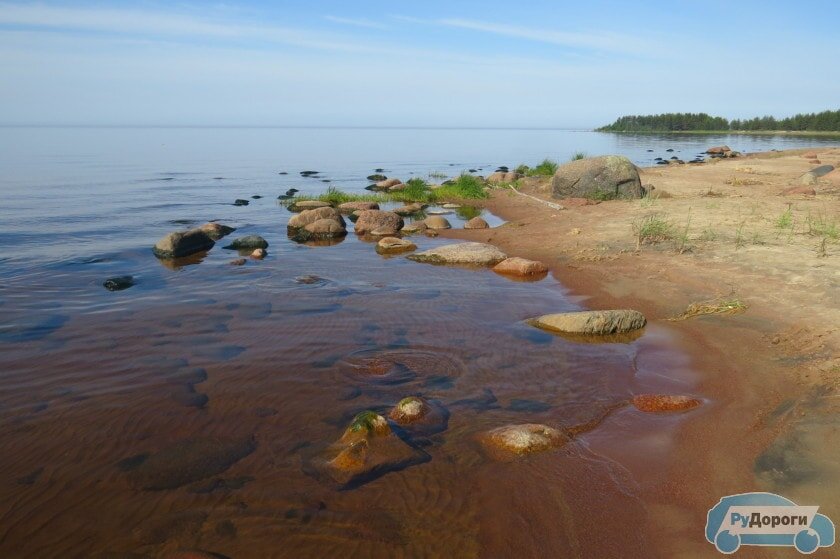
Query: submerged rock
[240, 202]
[118, 283]
[437, 222]
[511, 441]
[657, 403]
[476, 223]
[247, 242]
[378, 222]
[393, 245]
[419, 416]
[188, 461]
[597, 323]
[606, 177]
[520, 267]
[216, 230]
[376, 177]
[238, 262]
[367, 450]
[183, 243]
[413, 227]
[258, 253]
[317, 224]
[471, 254]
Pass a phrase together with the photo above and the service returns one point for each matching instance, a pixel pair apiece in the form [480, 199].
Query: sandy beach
[771, 372]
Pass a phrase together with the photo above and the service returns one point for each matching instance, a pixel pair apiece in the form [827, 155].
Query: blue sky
[430, 63]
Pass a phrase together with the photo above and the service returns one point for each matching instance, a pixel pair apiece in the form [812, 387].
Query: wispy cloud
[355, 22]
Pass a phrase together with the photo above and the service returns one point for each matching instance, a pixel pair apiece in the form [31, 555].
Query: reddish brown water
[230, 379]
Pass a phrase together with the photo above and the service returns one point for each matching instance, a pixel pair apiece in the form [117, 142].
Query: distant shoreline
[728, 132]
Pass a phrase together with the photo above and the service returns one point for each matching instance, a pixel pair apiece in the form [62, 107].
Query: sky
[431, 64]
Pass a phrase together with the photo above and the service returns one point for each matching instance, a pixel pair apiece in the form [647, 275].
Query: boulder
[597, 323]
[469, 254]
[378, 222]
[718, 150]
[394, 245]
[607, 177]
[413, 227]
[248, 242]
[419, 416]
[350, 207]
[808, 179]
[799, 190]
[502, 177]
[810, 155]
[387, 183]
[436, 222]
[183, 243]
[511, 441]
[118, 283]
[301, 205]
[476, 223]
[216, 230]
[657, 403]
[319, 230]
[367, 450]
[520, 267]
[307, 217]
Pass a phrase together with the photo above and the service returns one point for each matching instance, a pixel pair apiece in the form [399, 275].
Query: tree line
[826, 121]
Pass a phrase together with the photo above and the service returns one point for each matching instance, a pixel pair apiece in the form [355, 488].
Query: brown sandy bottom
[771, 374]
[169, 425]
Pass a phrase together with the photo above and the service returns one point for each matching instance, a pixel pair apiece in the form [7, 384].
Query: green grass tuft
[546, 168]
[465, 186]
[652, 229]
[578, 155]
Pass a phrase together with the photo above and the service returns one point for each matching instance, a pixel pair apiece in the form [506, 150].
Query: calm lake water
[229, 380]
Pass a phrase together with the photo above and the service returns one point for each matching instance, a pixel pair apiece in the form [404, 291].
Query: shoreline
[802, 133]
[768, 373]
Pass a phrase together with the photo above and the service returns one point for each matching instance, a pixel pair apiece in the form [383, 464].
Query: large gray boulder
[183, 243]
[602, 178]
[468, 254]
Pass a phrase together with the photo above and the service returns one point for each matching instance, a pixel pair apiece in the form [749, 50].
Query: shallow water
[96, 382]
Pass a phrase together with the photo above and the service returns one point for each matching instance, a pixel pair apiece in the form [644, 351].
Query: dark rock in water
[283, 173]
[128, 464]
[530, 406]
[472, 170]
[310, 280]
[308, 173]
[379, 170]
[376, 177]
[674, 156]
[325, 180]
[188, 461]
[285, 196]
[292, 191]
[118, 283]
[657, 159]
[256, 196]
[661, 162]
[367, 450]
[240, 202]
[183, 243]
[248, 242]
[669, 150]
[650, 150]
[238, 262]
[218, 178]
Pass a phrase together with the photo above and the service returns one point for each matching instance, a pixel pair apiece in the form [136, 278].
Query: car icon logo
[767, 519]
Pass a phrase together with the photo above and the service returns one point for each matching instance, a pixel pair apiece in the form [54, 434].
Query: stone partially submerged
[183, 243]
[520, 267]
[249, 242]
[378, 222]
[419, 416]
[591, 323]
[367, 450]
[664, 403]
[466, 254]
[600, 178]
[317, 224]
[512, 441]
[394, 245]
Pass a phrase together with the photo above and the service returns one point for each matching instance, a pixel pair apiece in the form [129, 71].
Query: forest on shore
[826, 121]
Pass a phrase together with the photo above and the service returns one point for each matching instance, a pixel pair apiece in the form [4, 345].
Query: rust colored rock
[388, 183]
[378, 222]
[718, 150]
[810, 155]
[409, 410]
[476, 223]
[520, 267]
[799, 190]
[661, 403]
[436, 222]
[511, 441]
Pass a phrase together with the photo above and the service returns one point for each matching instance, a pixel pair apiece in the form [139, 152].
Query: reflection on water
[181, 412]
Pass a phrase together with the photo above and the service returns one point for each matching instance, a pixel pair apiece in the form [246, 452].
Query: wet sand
[771, 374]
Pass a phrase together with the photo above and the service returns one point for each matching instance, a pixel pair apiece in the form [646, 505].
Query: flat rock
[595, 323]
[301, 205]
[437, 222]
[471, 254]
[248, 242]
[188, 461]
[511, 441]
[388, 183]
[718, 150]
[606, 177]
[183, 243]
[419, 416]
[350, 207]
[822, 170]
[393, 245]
[658, 403]
[799, 190]
[516, 266]
[476, 223]
[378, 222]
[408, 209]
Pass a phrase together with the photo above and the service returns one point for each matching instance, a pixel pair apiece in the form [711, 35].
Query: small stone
[520, 267]
[183, 243]
[409, 410]
[240, 202]
[437, 222]
[118, 283]
[248, 242]
[258, 253]
[239, 261]
[393, 245]
[656, 403]
[476, 223]
[413, 227]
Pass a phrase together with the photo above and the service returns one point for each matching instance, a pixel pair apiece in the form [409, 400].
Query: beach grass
[718, 306]
[545, 168]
